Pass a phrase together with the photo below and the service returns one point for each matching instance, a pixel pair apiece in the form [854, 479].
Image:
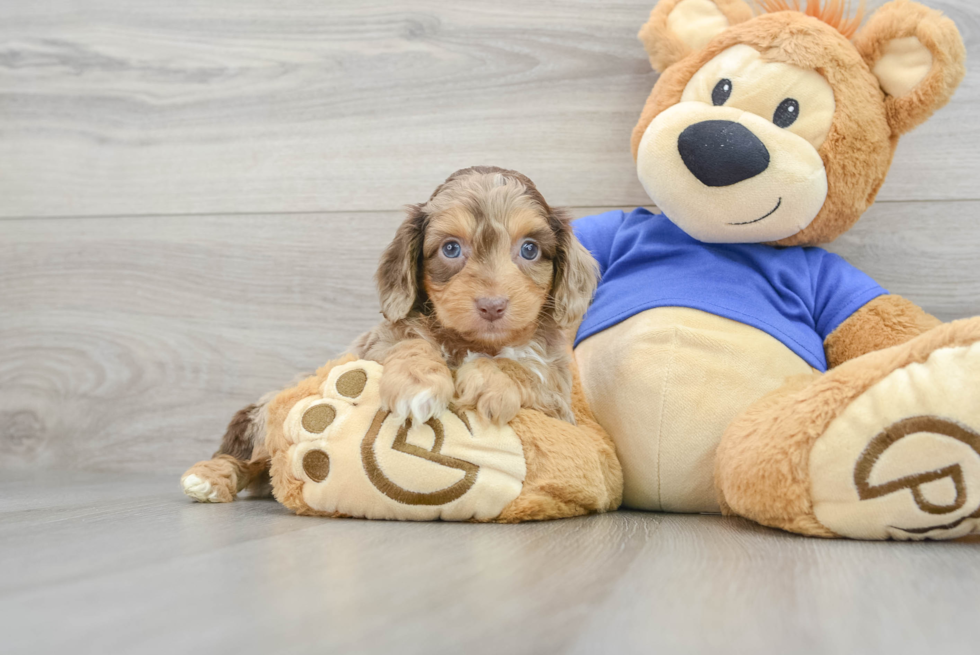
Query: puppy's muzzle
[491, 309]
[722, 153]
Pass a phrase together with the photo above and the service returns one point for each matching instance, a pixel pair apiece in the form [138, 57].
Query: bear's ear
[917, 54]
[678, 27]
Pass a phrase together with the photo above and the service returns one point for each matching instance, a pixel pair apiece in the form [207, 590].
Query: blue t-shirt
[797, 295]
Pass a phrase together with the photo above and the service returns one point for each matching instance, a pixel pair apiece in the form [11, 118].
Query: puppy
[479, 290]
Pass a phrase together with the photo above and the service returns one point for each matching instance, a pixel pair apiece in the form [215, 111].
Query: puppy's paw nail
[199, 489]
[497, 410]
[502, 419]
[425, 406]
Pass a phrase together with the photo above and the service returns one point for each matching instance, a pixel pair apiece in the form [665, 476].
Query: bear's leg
[885, 446]
[571, 469]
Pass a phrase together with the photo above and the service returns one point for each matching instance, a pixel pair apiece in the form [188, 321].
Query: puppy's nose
[722, 153]
[491, 309]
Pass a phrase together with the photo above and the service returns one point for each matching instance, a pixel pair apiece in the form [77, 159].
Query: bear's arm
[884, 322]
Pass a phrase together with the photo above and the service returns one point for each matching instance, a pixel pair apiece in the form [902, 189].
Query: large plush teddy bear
[737, 367]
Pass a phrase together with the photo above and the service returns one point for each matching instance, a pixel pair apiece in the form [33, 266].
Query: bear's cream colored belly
[665, 384]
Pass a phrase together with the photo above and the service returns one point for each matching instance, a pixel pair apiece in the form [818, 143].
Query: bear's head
[780, 128]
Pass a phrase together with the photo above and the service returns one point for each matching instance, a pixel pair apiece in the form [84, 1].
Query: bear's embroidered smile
[779, 204]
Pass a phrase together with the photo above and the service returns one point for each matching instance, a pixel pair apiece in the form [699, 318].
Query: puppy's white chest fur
[531, 356]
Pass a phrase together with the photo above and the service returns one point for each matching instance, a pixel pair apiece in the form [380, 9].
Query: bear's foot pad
[354, 458]
[902, 461]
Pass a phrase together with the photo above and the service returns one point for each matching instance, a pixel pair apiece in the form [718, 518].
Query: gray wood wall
[193, 194]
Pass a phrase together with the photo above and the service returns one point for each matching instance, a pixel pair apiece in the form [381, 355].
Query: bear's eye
[722, 92]
[786, 113]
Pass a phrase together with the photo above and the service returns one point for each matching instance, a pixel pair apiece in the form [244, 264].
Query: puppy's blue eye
[451, 249]
[529, 250]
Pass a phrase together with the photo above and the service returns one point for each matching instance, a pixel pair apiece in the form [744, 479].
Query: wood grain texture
[100, 564]
[109, 107]
[127, 344]
[194, 196]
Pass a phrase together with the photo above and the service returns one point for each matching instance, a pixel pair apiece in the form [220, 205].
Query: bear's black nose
[722, 153]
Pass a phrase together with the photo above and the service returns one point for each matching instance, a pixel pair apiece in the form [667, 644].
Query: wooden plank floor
[126, 344]
[112, 107]
[193, 197]
[193, 194]
[125, 564]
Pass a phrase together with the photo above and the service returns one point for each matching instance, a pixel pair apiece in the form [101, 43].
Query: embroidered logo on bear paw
[902, 460]
[358, 459]
[940, 492]
[383, 484]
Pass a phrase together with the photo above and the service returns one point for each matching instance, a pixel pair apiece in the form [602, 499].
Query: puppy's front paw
[421, 395]
[482, 385]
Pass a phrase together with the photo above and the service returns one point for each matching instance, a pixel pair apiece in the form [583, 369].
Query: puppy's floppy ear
[917, 54]
[678, 27]
[398, 272]
[576, 274]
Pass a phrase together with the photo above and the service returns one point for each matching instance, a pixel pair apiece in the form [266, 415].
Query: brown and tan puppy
[478, 290]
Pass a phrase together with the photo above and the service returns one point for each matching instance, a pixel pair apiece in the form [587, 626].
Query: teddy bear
[737, 366]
